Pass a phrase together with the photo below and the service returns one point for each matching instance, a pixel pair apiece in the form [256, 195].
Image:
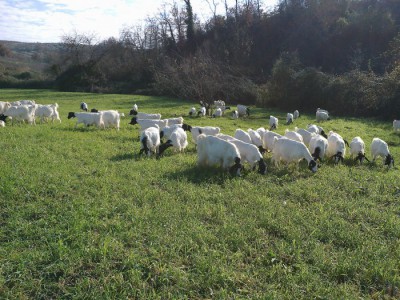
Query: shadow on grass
[202, 175]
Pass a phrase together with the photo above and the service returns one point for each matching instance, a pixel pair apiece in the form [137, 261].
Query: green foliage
[83, 216]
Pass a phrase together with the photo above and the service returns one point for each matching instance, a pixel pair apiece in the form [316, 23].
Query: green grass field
[84, 217]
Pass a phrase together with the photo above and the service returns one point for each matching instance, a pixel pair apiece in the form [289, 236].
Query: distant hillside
[24, 61]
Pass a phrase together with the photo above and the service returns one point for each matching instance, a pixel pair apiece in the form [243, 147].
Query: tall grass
[83, 216]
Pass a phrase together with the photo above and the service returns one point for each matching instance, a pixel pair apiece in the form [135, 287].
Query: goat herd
[214, 147]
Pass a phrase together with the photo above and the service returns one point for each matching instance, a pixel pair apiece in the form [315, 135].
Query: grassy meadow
[82, 216]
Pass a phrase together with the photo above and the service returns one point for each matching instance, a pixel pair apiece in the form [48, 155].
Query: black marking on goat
[3, 117]
[389, 160]
[164, 147]
[144, 144]
[324, 134]
[227, 107]
[262, 167]
[361, 156]
[312, 164]
[261, 149]
[94, 110]
[273, 127]
[199, 112]
[200, 132]
[71, 115]
[186, 127]
[347, 144]
[133, 121]
[338, 156]
[290, 121]
[235, 169]
[317, 153]
[190, 113]
[248, 111]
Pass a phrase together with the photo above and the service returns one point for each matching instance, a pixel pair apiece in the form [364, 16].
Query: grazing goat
[318, 146]
[22, 113]
[212, 150]
[149, 140]
[322, 116]
[243, 110]
[269, 139]
[292, 151]
[289, 118]
[242, 135]
[273, 122]
[293, 135]
[307, 135]
[381, 148]
[145, 116]
[84, 106]
[248, 152]
[207, 130]
[87, 119]
[396, 125]
[336, 146]
[4, 106]
[177, 139]
[202, 112]
[296, 114]
[192, 111]
[146, 123]
[357, 148]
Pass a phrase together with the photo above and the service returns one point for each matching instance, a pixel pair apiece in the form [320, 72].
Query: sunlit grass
[83, 216]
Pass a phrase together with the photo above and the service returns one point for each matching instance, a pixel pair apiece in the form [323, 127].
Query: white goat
[269, 139]
[149, 140]
[243, 136]
[87, 118]
[317, 129]
[202, 111]
[235, 114]
[318, 146]
[292, 151]
[293, 135]
[322, 116]
[22, 113]
[146, 123]
[381, 148]
[396, 125]
[192, 111]
[256, 139]
[289, 118]
[4, 106]
[167, 130]
[207, 130]
[248, 152]
[307, 135]
[146, 116]
[217, 113]
[177, 139]
[47, 111]
[243, 110]
[2, 123]
[212, 150]
[336, 146]
[296, 114]
[357, 148]
[84, 106]
[172, 121]
[111, 118]
[273, 122]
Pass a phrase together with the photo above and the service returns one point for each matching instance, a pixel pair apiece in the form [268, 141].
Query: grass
[83, 216]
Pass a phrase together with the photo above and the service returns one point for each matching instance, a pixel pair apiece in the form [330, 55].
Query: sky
[46, 21]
